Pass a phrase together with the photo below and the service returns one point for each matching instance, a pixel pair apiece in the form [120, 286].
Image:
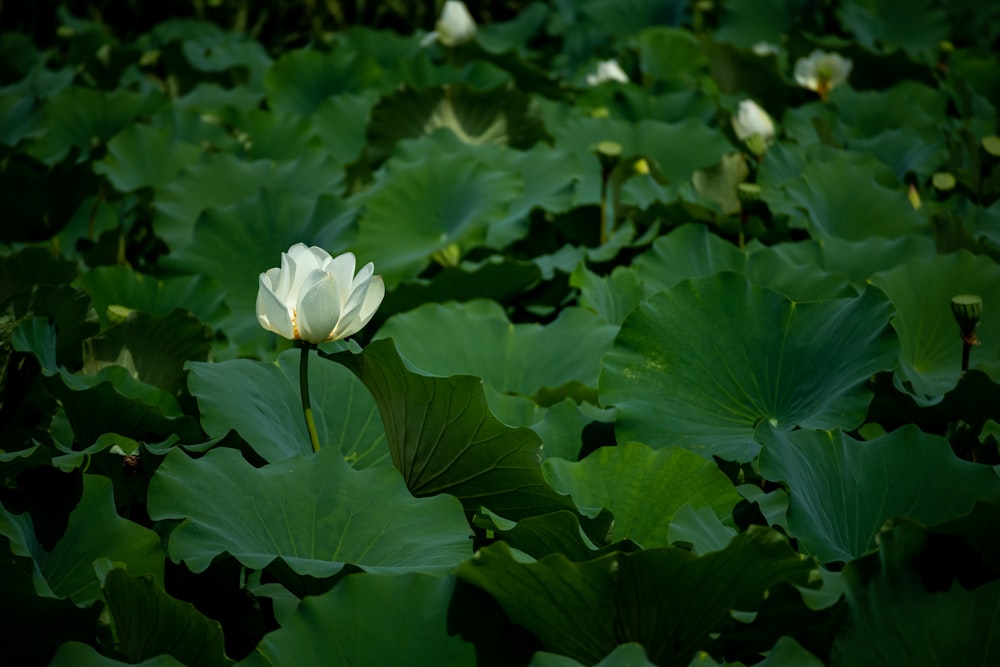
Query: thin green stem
[304, 390]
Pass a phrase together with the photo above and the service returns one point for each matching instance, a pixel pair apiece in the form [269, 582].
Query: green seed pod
[967, 309]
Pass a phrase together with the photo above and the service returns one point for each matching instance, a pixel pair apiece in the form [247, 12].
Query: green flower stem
[304, 390]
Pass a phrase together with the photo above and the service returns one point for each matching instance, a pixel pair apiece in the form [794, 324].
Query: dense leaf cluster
[640, 392]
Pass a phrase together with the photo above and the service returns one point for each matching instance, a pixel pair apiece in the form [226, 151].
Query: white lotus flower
[822, 71]
[751, 121]
[607, 70]
[455, 26]
[317, 298]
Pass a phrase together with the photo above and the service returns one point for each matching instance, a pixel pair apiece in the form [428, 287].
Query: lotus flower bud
[607, 70]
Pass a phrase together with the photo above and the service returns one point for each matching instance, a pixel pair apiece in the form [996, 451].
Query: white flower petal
[272, 313]
[456, 25]
[373, 299]
[342, 268]
[319, 310]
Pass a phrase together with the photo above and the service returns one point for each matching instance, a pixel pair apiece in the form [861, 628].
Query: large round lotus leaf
[698, 366]
[301, 80]
[643, 488]
[145, 156]
[476, 338]
[418, 208]
[261, 402]
[921, 290]
[843, 490]
[75, 654]
[94, 531]
[313, 512]
[370, 619]
[666, 599]
[841, 197]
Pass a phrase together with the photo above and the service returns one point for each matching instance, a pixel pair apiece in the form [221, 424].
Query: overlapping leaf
[313, 512]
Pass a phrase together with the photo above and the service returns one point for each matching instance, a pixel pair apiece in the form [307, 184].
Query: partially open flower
[455, 26]
[822, 71]
[607, 70]
[317, 298]
[754, 126]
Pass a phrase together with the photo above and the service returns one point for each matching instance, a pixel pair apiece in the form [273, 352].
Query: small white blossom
[752, 120]
[822, 71]
[607, 70]
[455, 26]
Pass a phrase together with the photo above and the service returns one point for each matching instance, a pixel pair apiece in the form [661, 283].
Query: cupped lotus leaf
[698, 366]
[666, 599]
[302, 79]
[476, 338]
[701, 528]
[921, 291]
[539, 536]
[122, 286]
[77, 654]
[94, 531]
[340, 123]
[313, 512]
[148, 622]
[417, 209]
[261, 402]
[444, 439]
[76, 117]
[841, 197]
[250, 235]
[626, 655]
[643, 488]
[613, 296]
[842, 490]
[141, 156]
[883, 26]
[358, 612]
[957, 622]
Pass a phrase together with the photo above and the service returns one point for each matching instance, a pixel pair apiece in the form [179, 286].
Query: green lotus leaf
[220, 180]
[302, 79]
[701, 528]
[444, 439]
[94, 531]
[690, 251]
[677, 148]
[341, 121]
[643, 488]
[538, 536]
[141, 156]
[361, 607]
[148, 623]
[18, 117]
[499, 279]
[699, 365]
[35, 623]
[476, 338]
[666, 599]
[749, 22]
[79, 117]
[921, 290]
[860, 260]
[275, 136]
[884, 597]
[626, 655]
[154, 348]
[313, 512]
[121, 286]
[418, 208]
[252, 234]
[612, 297]
[841, 197]
[841, 490]
[883, 26]
[624, 18]
[210, 49]
[671, 54]
[261, 402]
[76, 654]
